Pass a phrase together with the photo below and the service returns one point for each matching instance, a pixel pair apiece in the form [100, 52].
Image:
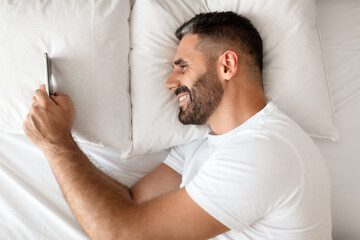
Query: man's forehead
[186, 46]
[189, 40]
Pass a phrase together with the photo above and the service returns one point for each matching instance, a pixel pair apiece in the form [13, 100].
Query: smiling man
[256, 176]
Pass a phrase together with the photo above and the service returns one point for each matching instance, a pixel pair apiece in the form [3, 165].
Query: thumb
[43, 87]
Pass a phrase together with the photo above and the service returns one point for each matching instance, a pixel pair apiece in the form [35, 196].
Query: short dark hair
[225, 28]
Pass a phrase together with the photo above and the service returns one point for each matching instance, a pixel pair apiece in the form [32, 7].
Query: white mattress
[32, 206]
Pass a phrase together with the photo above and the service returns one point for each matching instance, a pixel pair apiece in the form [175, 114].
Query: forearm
[95, 199]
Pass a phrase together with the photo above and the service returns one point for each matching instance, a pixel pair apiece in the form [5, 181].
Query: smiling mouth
[183, 98]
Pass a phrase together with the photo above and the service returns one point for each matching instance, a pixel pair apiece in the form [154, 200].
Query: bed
[31, 203]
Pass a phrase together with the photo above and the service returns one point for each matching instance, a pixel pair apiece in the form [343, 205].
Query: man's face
[195, 82]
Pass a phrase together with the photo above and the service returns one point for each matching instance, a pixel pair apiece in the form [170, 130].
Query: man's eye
[183, 68]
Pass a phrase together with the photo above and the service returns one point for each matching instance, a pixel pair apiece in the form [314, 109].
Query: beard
[205, 96]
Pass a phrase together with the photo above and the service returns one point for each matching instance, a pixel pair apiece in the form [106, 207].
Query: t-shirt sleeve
[239, 184]
[176, 158]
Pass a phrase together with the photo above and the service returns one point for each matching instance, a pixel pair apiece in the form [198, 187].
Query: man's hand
[50, 120]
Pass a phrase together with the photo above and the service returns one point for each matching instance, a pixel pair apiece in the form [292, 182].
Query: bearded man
[256, 176]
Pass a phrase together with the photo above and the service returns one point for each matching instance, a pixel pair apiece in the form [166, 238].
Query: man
[256, 176]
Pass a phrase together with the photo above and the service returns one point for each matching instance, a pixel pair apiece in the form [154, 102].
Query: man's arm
[160, 181]
[107, 213]
[104, 210]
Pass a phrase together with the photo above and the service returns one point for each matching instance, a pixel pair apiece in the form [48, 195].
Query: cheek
[190, 78]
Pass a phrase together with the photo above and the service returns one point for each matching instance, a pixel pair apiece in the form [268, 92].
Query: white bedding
[339, 23]
[32, 206]
[88, 43]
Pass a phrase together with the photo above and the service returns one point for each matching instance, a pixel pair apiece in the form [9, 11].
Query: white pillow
[294, 73]
[88, 42]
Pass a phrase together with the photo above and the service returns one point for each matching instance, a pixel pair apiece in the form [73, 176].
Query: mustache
[182, 89]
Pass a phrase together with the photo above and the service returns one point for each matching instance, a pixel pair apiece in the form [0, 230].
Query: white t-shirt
[265, 179]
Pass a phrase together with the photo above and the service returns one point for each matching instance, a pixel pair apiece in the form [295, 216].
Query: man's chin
[184, 118]
[187, 120]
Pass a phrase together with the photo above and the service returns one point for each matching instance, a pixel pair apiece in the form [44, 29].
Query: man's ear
[229, 64]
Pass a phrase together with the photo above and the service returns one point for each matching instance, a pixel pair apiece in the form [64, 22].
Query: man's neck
[235, 109]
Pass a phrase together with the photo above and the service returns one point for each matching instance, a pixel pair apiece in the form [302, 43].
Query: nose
[172, 82]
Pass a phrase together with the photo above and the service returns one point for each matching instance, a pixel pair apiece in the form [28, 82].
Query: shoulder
[269, 139]
[256, 144]
[262, 157]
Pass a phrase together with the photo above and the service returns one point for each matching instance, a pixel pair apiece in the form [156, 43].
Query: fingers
[40, 94]
[41, 98]
[63, 101]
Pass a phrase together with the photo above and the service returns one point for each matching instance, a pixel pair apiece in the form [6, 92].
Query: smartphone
[47, 67]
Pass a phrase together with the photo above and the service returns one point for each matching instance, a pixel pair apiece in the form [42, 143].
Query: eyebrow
[179, 62]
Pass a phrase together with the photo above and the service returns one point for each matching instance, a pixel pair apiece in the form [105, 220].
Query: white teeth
[183, 98]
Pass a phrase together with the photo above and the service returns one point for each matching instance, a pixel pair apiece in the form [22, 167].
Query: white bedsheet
[32, 206]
